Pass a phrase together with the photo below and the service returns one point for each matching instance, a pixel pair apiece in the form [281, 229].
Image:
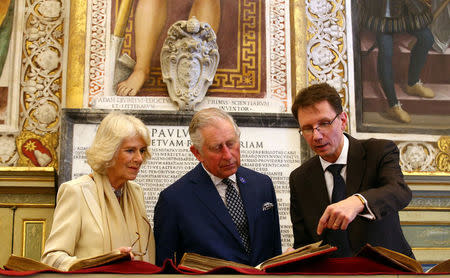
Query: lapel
[207, 193]
[316, 190]
[246, 190]
[356, 165]
[89, 191]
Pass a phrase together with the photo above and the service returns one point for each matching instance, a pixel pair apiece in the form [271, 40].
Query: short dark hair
[314, 94]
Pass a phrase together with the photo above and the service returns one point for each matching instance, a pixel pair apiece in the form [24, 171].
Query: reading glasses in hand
[137, 253]
[322, 126]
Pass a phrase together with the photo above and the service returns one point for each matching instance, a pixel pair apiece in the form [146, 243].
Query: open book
[399, 261]
[442, 267]
[197, 263]
[18, 263]
[390, 258]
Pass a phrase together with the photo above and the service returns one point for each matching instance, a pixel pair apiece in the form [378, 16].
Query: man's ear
[196, 153]
[344, 120]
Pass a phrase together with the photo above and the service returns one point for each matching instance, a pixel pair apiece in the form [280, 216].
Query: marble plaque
[266, 148]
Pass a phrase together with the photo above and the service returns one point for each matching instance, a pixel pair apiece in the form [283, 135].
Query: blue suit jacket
[190, 216]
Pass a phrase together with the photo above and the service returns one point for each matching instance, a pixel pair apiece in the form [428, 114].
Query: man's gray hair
[208, 117]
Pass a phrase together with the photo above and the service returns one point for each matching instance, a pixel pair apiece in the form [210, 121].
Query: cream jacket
[78, 229]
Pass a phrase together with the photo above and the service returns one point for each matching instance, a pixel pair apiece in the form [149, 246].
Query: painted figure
[150, 18]
[6, 23]
[386, 18]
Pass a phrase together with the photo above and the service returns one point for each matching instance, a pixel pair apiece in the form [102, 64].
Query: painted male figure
[387, 18]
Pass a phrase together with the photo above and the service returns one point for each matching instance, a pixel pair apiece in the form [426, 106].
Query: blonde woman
[105, 210]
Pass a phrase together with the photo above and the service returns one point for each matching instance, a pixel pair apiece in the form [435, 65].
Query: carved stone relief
[189, 60]
[8, 153]
[417, 156]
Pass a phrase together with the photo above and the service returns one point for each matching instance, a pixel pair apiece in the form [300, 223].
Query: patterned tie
[338, 238]
[237, 212]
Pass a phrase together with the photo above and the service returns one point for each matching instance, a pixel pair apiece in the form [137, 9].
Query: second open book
[197, 263]
[18, 263]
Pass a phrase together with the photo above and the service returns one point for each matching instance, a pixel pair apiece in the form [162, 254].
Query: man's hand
[339, 215]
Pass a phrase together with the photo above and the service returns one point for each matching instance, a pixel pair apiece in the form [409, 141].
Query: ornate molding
[417, 156]
[41, 78]
[279, 45]
[327, 45]
[8, 151]
[443, 157]
[97, 47]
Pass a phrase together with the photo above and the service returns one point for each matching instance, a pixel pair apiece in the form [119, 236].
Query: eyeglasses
[137, 253]
[323, 126]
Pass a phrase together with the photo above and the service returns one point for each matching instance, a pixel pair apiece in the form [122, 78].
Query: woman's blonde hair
[113, 129]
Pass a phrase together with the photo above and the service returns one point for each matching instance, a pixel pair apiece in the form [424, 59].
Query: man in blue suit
[218, 209]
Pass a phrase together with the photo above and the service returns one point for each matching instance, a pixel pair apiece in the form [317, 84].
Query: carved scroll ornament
[189, 60]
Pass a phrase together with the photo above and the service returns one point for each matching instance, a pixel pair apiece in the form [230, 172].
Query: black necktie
[338, 238]
[338, 183]
[237, 212]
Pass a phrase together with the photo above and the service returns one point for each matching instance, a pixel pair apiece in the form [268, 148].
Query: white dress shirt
[342, 159]
[220, 186]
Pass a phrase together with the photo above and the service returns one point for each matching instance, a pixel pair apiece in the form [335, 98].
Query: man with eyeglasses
[350, 193]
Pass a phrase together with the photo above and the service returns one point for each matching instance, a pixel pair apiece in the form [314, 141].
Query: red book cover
[293, 264]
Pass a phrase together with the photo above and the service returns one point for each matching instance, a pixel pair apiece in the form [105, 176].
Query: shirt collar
[342, 159]
[217, 180]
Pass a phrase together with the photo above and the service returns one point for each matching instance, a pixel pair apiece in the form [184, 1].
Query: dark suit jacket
[373, 171]
[190, 216]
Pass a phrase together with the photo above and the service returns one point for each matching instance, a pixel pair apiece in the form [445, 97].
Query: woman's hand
[289, 250]
[126, 249]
